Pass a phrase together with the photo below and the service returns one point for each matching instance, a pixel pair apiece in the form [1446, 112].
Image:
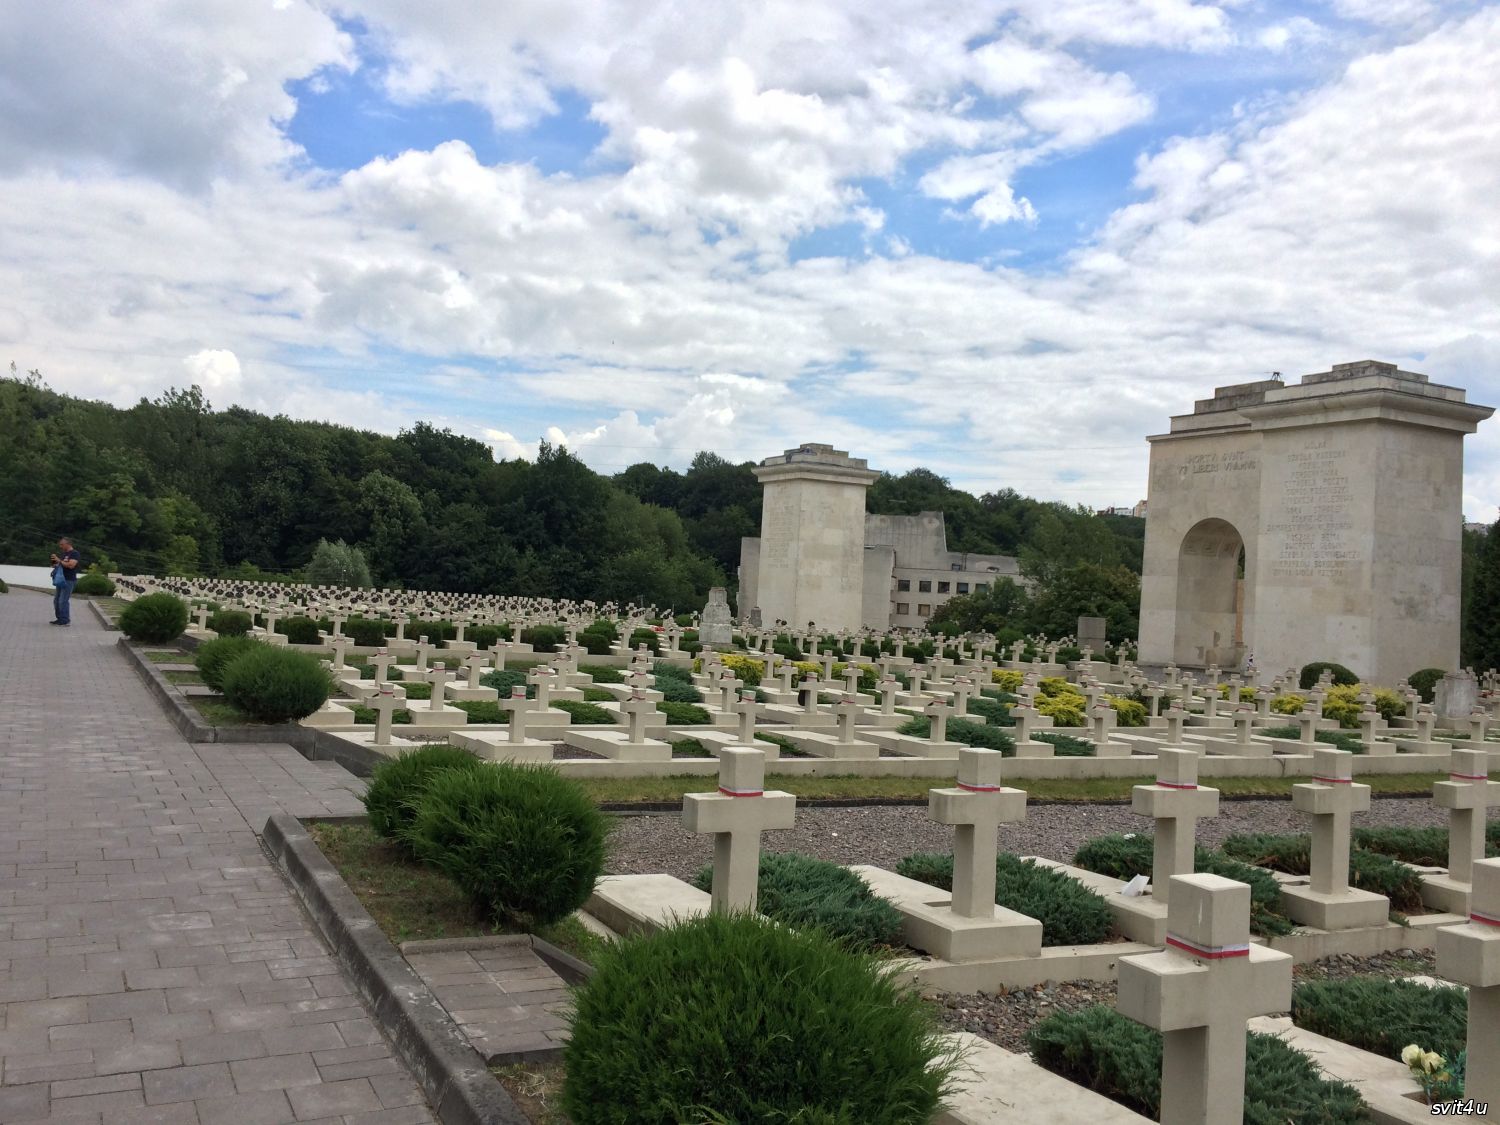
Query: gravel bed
[881, 835]
[1006, 1017]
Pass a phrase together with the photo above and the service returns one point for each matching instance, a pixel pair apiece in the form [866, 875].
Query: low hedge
[1368, 871]
[396, 785]
[298, 630]
[586, 714]
[93, 585]
[504, 680]
[808, 893]
[1338, 739]
[1065, 745]
[365, 632]
[230, 622]
[602, 673]
[697, 1023]
[1425, 847]
[1069, 912]
[544, 638]
[525, 843]
[154, 618]
[1124, 856]
[648, 637]
[276, 685]
[1382, 1015]
[675, 690]
[684, 714]
[595, 644]
[964, 731]
[1108, 1053]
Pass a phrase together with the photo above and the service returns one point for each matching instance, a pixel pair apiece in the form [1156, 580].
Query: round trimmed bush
[648, 637]
[525, 843]
[94, 585]
[1310, 673]
[276, 685]
[154, 618]
[214, 657]
[365, 632]
[595, 644]
[544, 638]
[230, 622]
[398, 784]
[298, 630]
[698, 1023]
[483, 636]
[1425, 682]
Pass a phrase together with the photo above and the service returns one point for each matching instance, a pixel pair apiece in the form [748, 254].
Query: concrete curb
[451, 1073]
[104, 621]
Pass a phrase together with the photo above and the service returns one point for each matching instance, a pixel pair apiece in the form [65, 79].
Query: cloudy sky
[1004, 239]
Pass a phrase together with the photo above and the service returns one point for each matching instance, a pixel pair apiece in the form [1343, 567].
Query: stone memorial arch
[1320, 520]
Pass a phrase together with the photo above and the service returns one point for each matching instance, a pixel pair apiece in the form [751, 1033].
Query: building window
[903, 608]
[963, 587]
[943, 587]
[924, 610]
[924, 587]
[981, 587]
[903, 584]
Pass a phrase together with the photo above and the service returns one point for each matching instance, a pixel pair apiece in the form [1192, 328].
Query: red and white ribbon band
[728, 792]
[1484, 919]
[1334, 780]
[1208, 952]
[1469, 776]
[980, 788]
[1174, 785]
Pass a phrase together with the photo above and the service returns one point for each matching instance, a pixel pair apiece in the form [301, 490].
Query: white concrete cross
[1263, 697]
[785, 673]
[1426, 719]
[1332, 798]
[338, 624]
[340, 647]
[1102, 719]
[1153, 694]
[1468, 794]
[1470, 954]
[914, 679]
[637, 707]
[1307, 719]
[543, 680]
[1244, 722]
[1175, 717]
[963, 687]
[728, 688]
[736, 815]
[520, 711]
[810, 694]
[937, 711]
[424, 650]
[400, 629]
[201, 613]
[749, 711]
[437, 676]
[498, 652]
[1176, 802]
[846, 709]
[381, 662]
[976, 809]
[476, 662]
[386, 703]
[1199, 992]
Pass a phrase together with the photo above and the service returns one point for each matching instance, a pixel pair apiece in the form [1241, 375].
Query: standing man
[67, 561]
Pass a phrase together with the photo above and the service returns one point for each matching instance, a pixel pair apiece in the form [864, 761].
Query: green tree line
[172, 486]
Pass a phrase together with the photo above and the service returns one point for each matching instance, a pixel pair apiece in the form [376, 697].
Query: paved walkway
[153, 965]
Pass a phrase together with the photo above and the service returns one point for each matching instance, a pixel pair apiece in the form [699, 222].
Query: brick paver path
[153, 964]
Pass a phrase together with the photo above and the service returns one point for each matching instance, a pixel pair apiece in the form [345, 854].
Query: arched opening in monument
[1210, 596]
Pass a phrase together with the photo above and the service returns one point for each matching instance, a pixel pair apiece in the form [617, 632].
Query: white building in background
[821, 558]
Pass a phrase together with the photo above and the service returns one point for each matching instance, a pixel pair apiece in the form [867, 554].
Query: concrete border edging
[451, 1073]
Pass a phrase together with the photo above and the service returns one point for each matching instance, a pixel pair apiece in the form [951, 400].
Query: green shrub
[1425, 682]
[1129, 855]
[230, 622]
[483, 636]
[1339, 739]
[1425, 847]
[275, 685]
[415, 689]
[1382, 1015]
[595, 644]
[964, 731]
[602, 673]
[648, 637]
[684, 714]
[93, 585]
[544, 638]
[365, 632]
[154, 618]
[1368, 871]
[993, 712]
[397, 785]
[1113, 1055]
[604, 628]
[666, 670]
[298, 630]
[808, 893]
[698, 1024]
[523, 842]
[596, 695]
[677, 691]
[1311, 672]
[504, 679]
[1065, 745]
[214, 657]
[1069, 912]
[586, 714]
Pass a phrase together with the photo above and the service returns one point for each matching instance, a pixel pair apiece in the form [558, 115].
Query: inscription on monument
[1315, 525]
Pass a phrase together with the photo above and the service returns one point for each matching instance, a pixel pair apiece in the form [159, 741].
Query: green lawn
[169, 656]
[218, 713]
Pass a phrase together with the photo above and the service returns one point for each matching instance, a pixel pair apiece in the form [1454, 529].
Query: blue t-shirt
[70, 574]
